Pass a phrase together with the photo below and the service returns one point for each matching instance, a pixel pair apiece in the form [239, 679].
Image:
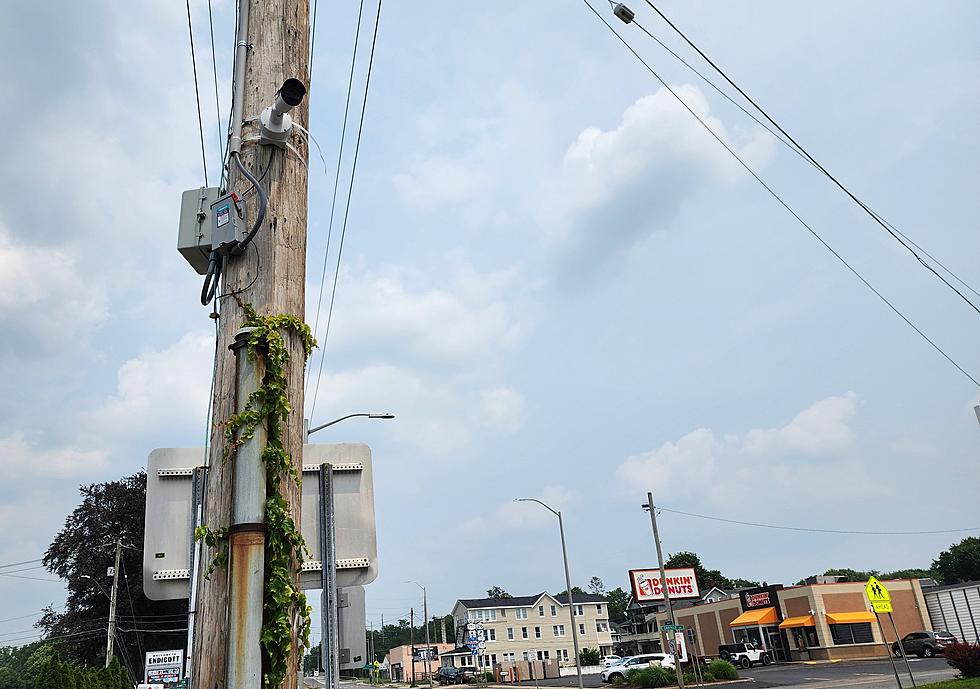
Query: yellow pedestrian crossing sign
[880, 599]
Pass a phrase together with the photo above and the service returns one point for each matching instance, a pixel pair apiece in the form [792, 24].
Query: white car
[619, 670]
[607, 661]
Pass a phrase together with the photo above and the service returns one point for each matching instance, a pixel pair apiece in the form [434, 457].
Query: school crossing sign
[880, 599]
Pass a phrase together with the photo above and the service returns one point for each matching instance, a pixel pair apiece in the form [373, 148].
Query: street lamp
[568, 585]
[310, 431]
[428, 644]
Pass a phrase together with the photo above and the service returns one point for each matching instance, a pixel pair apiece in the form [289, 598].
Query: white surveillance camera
[274, 122]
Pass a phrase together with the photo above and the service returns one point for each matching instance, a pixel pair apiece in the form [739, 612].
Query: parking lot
[867, 674]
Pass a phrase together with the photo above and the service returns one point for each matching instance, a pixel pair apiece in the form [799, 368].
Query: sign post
[881, 602]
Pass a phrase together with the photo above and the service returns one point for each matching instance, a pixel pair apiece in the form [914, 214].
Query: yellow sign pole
[891, 658]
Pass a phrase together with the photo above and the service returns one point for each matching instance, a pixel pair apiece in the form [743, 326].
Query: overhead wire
[197, 93]
[781, 202]
[793, 144]
[336, 181]
[217, 99]
[18, 564]
[129, 595]
[350, 190]
[849, 532]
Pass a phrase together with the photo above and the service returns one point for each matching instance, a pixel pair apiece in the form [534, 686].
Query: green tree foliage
[908, 574]
[960, 563]
[21, 665]
[707, 578]
[575, 591]
[81, 554]
[497, 592]
[311, 661]
[618, 600]
[596, 586]
[589, 656]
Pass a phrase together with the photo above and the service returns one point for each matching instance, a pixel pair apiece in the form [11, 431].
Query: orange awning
[803, 621]
[850, 617]
[759, 616]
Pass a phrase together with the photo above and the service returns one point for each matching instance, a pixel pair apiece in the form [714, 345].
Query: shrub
[653, 676]
[722, 669]
[964, 657]
[589, 656]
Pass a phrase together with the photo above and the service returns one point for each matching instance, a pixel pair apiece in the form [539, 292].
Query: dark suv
[923, 644]
[450, 675]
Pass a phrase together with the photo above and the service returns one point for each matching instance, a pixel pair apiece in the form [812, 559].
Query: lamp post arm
[554, 512]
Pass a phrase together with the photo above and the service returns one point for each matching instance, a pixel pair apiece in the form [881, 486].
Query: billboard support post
[663, 586]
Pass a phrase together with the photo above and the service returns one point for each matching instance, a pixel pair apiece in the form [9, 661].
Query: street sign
[881, 599]
[470, 626]
[482, 645]
[170, 509]
[164, 667]
[673, 627]
[681, 647]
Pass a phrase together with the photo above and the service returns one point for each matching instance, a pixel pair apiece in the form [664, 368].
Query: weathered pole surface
[278, 48]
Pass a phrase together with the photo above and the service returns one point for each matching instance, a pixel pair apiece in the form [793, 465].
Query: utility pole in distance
[112, 605]
[663, 587]
[272, 45]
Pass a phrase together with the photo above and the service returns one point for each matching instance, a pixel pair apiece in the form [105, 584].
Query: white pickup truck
[747, 655]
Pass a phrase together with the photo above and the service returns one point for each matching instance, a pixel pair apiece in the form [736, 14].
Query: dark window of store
[859, 633]
[811, 636]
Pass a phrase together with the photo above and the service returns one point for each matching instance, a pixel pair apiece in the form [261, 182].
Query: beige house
[538, 627]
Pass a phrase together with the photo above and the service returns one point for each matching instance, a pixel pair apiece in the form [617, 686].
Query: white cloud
[820, 428]
[19, 457]
[463, 317]
[504, 407]
[439, 180]
[619, 185]
[43, 298]
[704, 463]
[165, 388]
[521, 515]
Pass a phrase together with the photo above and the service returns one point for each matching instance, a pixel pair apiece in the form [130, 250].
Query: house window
[558, 630]
[690, 635]
[544, 655]
[540, 611]
[522, 613]
[509, 657]
[510, 633]
[537, 632]
[554, 611]
[526, 655]
[503, 614]
[601, 627]
[523, 632]
[581, 629]
[859, 633]
[598, 609]
[491, 635]
[563, 654]
[483, 615]
[579, 610]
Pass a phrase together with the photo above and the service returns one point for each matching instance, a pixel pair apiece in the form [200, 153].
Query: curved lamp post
[310, 431]
[568, 585]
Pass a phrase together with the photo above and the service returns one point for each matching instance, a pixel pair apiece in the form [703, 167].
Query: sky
[556, 279]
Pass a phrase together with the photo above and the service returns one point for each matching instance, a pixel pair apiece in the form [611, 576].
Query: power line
[21, 576]
[815, 530]
[336, 179]
[197, 94]
[129, 595]
[18, 564]
[893, 232]
[783, 203]
[350, 190]
[214, 71]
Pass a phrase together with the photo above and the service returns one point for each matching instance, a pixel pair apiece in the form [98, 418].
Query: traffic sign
[881, 599]
[482, 645]
[673, 627]
[470, 626]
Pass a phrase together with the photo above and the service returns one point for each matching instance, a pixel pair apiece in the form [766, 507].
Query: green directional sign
[673, 627]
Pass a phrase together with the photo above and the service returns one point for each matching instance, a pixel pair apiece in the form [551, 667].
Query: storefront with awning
[818, 621]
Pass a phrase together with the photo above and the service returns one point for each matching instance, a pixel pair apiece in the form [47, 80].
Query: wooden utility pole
[271, 276]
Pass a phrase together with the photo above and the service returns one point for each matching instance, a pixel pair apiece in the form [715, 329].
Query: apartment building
[535, 627]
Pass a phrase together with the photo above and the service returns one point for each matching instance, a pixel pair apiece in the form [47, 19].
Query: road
[866, 674]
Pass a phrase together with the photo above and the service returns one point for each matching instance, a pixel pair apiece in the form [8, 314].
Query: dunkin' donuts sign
[681, 583]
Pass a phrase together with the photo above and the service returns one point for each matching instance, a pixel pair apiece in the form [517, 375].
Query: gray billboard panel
[167, 534]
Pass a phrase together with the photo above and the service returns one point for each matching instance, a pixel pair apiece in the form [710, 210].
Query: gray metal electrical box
[194, 232]
[225, 222]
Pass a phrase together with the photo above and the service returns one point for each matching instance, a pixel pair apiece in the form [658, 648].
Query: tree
[707, 578]
[575, 591]
[497, 592]
[960, 563]
[617, 599]
[81, 554]
[311, 661]
[908, 574]
[589, 656]
[596, 586]
[744, 583]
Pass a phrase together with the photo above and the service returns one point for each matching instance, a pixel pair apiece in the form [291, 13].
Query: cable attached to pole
[239, 248]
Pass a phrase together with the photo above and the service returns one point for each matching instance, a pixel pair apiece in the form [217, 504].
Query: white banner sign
[681, 583]
[163, 667]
